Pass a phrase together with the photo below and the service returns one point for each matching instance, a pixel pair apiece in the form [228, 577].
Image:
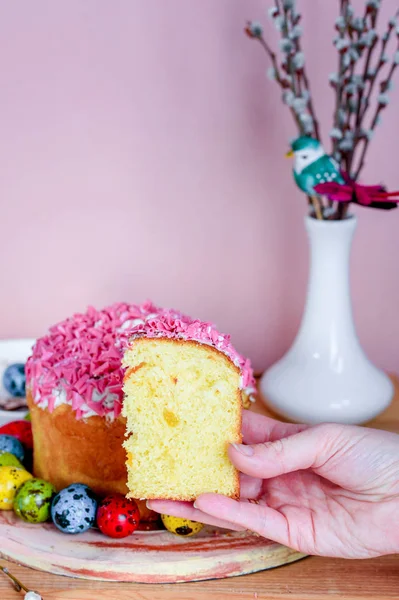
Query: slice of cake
[184, 389]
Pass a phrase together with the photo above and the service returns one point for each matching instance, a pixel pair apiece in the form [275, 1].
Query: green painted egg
[32, 502]
[9, 460]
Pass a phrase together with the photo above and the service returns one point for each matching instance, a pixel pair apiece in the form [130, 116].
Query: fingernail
[148, 504]
[243, 449]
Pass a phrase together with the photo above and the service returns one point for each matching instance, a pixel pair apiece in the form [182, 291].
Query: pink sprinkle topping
[79, 362]
[181, 327]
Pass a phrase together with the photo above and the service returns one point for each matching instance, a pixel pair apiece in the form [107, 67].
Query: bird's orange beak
[289, 154]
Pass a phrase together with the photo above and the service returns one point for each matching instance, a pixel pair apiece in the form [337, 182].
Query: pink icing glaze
[80, 358]
[180, 327]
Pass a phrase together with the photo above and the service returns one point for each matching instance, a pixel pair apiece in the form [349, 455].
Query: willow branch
[374, 122]
[273, 58]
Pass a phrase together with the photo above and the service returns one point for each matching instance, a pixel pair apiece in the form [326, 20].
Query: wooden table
[312, 578]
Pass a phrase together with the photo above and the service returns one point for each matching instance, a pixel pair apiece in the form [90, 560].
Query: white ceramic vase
[325, 376]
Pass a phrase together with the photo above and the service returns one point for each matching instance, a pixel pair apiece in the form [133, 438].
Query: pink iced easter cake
[74, 390]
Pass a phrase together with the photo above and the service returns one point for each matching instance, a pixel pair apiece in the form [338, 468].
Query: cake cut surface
[183, 405]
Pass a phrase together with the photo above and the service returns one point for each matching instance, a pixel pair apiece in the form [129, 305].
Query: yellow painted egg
[179, 526]
[11, 479]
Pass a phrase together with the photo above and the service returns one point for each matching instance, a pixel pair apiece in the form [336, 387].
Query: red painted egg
[118, 517]
[22, 430]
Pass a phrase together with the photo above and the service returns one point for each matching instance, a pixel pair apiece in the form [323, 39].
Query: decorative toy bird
[372, 196]
[318, 174]
[313, 166]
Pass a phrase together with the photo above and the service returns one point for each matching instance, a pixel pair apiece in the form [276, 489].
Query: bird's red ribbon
[350, 191]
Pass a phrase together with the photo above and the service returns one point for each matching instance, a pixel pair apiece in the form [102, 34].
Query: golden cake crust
[90, 451]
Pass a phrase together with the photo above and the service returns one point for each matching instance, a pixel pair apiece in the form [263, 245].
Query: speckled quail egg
[8, 443]
[74, 508]
[182, 527]
[11, 479]
[9, 460]
[32, 502]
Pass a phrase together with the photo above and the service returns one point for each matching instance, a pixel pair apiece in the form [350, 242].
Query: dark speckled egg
[32, 502]
[8, 443]
[14, 380]
[74, 508]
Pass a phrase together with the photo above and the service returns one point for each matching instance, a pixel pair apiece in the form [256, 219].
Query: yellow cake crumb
[182, 403]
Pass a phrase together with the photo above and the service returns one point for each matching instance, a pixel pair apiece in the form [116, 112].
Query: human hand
[330, 490]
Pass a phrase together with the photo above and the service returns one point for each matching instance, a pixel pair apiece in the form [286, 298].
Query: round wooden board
[145, 557]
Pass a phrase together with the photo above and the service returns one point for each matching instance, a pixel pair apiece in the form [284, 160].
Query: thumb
[309, 448]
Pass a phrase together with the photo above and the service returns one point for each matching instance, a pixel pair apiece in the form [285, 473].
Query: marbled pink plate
[144, 557]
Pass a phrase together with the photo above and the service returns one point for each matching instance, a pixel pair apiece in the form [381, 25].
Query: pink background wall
[141, 155]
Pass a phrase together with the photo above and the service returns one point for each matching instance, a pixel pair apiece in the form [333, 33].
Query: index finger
[257, 429]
